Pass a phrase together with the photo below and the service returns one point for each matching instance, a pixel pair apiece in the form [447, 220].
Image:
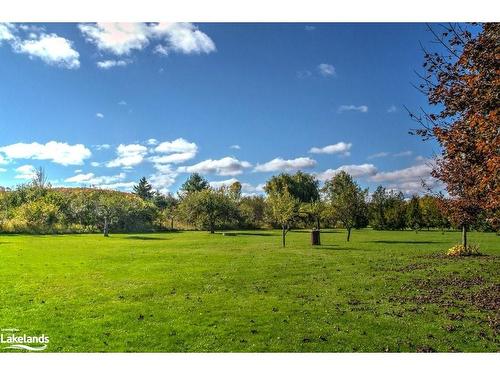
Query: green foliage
[209, 209]
[194, 183]
[413, 214]
[252, 212]
[143, 189]
[302, 186]
[283, 209]
[347, 202]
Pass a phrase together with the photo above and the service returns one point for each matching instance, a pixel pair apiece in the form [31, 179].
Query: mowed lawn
[192, 291]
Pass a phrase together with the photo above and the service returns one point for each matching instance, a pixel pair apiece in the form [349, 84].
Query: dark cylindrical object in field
[315, 239]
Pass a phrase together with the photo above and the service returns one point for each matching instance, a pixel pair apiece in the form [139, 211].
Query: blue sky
[106, 104]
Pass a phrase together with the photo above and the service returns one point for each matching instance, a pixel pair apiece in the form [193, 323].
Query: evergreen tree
[144, 189]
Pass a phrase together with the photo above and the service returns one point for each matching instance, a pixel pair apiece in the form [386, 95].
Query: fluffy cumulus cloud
[279, 164]
[326, 70]
[128, 156]
[337, 148]
[227, 166]
[177, 151]
[351, 107]
[25, 172]
[57, 152]
[356, 171]
[412, 180]
[123, 38]
[163, 178]
[35, 42]
[51, 49]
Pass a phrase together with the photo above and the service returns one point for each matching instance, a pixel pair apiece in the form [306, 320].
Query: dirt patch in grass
[456, 292]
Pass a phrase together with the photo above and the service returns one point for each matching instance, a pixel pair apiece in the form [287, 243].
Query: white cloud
[117, 38]
[392, 109]
[351, 107]
[235, 147]
[178, 151]
[409, 180]
[51, 49]
[3, 170]
[57, 152]
[227, 166]
[128, 156]
[246, 188]
[354, 170]
[178, 145]
[183, 37]
[152, 142]
[123, 38]
[416, 172]
[25, 172]
[219, 184]
[122, 102]
[91, 179]
[179, 157]
[103, 146]
[337, 148]
[326, 70]
[95, 164]
[99, 115]
[3, 160]
[403, 153]
[108, 64]
[163, 178]
[279, 164]
[378, 155]
[7, 31]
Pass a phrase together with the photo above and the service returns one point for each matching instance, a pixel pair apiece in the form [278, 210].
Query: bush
[460, 250]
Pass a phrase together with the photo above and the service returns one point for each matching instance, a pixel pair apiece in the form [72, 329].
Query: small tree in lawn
[347, 201]
[414, 214]
[144, 189]
[167, 204]
[108, 209]
[283, 209]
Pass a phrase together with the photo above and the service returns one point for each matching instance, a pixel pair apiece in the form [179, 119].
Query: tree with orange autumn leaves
[463, 83]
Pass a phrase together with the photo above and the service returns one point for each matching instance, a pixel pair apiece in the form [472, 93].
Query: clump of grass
[461, 250]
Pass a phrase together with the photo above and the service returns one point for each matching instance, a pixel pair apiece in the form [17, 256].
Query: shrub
[460, 250]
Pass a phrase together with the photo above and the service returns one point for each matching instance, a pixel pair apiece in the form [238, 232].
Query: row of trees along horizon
[291, 201]
[460, 79]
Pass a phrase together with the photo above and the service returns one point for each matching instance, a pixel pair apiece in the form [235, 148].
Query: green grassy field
[192, 291]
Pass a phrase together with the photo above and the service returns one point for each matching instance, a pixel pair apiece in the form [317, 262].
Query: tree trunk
[171, 223]
[348, 234]
[106, 227]
[318, 223]
[283, 235]
[464, 236]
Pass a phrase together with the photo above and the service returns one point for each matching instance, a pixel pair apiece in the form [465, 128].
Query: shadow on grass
[144, 238]
[249, 234]
[407, 242]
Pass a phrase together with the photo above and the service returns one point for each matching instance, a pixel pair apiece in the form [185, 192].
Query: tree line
[290, 201]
